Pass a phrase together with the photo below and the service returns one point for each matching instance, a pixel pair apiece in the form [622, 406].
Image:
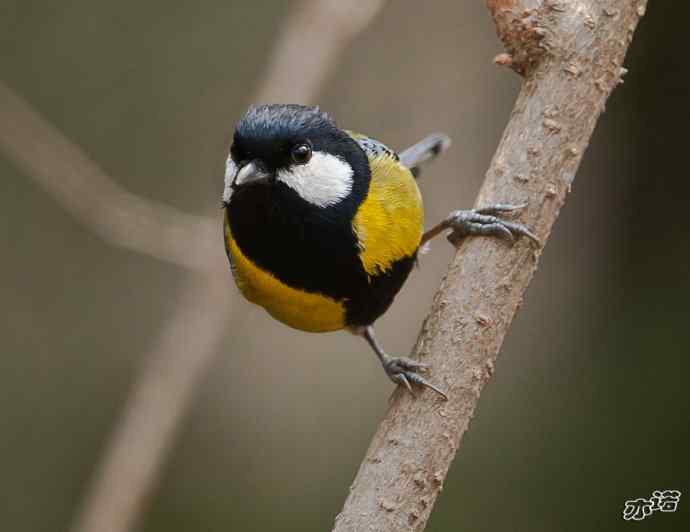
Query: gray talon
[402, 371]
[400, 378]
[406, 372]
[420, 381]
[521, 230]
[501, 208]
[484, 222]
[399, 365]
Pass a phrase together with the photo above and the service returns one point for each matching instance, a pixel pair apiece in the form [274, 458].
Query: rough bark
[571, 53]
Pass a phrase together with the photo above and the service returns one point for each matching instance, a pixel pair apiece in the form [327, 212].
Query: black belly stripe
[312, 249]
[365, 308]
[305, 247]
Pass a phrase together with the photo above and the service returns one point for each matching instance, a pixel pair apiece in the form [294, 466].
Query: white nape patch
[230, 172]
[323, 181]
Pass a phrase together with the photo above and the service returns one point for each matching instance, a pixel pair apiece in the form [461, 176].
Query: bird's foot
[406, 372]
[402, 371]
[486, 222]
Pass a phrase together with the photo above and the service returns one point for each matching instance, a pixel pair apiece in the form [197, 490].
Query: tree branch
[295, 76]
[160, 397]
[570, 72]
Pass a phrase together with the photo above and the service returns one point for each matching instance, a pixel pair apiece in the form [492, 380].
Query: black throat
[303, 245]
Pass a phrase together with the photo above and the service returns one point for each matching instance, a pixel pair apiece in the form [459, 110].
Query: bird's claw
[500, 208]
[485, 222]
[405, 372]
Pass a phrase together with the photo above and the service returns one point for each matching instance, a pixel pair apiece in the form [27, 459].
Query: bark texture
[571, 53]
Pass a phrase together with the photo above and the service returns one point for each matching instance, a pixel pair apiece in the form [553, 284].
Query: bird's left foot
[406, 372]
[402, 371]
[487, 222]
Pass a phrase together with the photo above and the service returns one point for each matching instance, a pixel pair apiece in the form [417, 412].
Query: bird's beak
[250, 172]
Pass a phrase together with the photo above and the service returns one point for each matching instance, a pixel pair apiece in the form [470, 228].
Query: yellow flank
[390, 222]
[301, 310]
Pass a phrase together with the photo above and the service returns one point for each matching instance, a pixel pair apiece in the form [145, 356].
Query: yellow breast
[301, 310]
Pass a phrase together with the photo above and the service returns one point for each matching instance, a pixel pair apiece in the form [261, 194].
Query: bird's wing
[413, 157]
[372, 147]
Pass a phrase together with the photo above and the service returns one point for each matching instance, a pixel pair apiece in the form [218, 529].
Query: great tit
[322, 225]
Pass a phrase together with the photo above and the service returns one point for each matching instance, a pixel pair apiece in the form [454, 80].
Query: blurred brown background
[590, 404]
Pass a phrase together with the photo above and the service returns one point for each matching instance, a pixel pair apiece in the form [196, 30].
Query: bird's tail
[423, 151]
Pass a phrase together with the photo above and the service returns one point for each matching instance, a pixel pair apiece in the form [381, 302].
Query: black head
[299, 150]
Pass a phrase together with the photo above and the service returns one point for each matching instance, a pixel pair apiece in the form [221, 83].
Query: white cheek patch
[230, 171]
[324, 180]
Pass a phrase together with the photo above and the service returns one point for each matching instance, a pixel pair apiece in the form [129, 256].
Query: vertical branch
[156, 405]
[570, 70]
[302, 60]
[122, 483]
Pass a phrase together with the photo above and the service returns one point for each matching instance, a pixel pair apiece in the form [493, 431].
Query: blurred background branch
[187, 342]
[159, 399]
[550, 127]
[309, 47]
[95, 199]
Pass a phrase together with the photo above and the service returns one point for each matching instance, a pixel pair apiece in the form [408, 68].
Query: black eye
[301, 153]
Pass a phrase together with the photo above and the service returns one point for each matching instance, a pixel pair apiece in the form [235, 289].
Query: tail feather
[424, 150]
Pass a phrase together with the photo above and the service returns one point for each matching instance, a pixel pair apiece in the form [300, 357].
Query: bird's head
[296, 149]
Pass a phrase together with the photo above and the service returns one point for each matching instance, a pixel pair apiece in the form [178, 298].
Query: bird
[322, 225]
